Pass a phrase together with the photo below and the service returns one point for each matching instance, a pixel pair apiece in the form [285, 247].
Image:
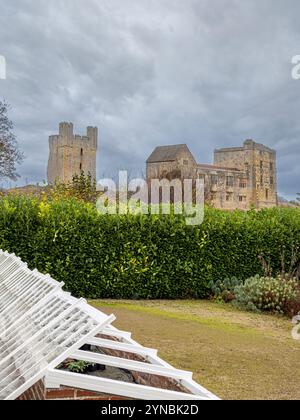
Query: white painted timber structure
[41, 326]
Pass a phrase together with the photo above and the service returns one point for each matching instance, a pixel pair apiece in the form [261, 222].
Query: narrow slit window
[230, 181]
[267, 194]
[214, 179]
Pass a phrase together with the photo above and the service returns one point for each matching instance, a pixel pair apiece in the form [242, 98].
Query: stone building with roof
[240, 177]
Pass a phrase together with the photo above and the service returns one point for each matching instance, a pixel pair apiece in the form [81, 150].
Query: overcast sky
[209, 73]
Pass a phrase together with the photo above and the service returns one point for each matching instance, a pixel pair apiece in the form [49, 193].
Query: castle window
[230, 181]
[267, 194]
[242, 198]
[247, 170]
[80, 167]
[81, 152]
[243, 183]
[272, 180]
[261, 181]
[185, 162]
[271, 166]
[229, 196]
[261, 165]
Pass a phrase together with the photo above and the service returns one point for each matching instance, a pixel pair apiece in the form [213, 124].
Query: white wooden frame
[35, 308]
[56, 378]
[29, 342]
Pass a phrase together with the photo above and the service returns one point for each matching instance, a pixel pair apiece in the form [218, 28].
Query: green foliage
[277, 295]
[78, 366]
[10, 155]
[224, 289]
[144, 257]
[82, 187]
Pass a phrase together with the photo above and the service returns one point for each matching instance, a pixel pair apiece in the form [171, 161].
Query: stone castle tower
[72, 154]
[259, 164]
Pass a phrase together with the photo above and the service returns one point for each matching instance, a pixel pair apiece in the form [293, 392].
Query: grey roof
[168, 153]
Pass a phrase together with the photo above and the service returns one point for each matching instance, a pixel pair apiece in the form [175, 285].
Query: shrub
[78, 366]
[82, 187]
[277, 295]
[225, 289]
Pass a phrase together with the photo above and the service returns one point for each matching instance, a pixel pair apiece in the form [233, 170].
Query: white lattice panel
[40, 324]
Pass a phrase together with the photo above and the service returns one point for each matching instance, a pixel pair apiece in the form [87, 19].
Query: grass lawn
[235, 354]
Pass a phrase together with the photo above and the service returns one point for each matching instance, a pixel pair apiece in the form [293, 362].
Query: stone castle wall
[258, 163]
[240, 178]
[72, 154]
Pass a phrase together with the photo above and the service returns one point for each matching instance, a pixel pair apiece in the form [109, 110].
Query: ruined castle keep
[72, 154]
[240, 178]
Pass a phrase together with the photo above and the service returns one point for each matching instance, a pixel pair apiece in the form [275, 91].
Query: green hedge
[143, 257]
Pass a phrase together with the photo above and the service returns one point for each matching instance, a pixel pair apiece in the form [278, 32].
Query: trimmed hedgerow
[149, 257]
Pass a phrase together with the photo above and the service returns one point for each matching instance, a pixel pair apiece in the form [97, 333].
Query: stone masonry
[72, 154]
[240, 178]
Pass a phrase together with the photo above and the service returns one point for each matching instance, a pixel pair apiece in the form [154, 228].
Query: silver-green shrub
[225, 289]
[277, 295]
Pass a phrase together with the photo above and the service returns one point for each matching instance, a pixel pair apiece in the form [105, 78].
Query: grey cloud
[152, 72]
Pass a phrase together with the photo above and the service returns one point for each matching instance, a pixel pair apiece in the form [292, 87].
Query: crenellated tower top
[72, 154]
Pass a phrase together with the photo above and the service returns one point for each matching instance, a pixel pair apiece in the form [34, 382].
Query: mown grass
[235, 354]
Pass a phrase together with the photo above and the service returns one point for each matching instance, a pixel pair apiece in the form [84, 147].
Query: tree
[82, 187]
[298, 197]
[10, 155]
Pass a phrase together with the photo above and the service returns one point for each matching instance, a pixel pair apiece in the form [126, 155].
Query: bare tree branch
[10, 154]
